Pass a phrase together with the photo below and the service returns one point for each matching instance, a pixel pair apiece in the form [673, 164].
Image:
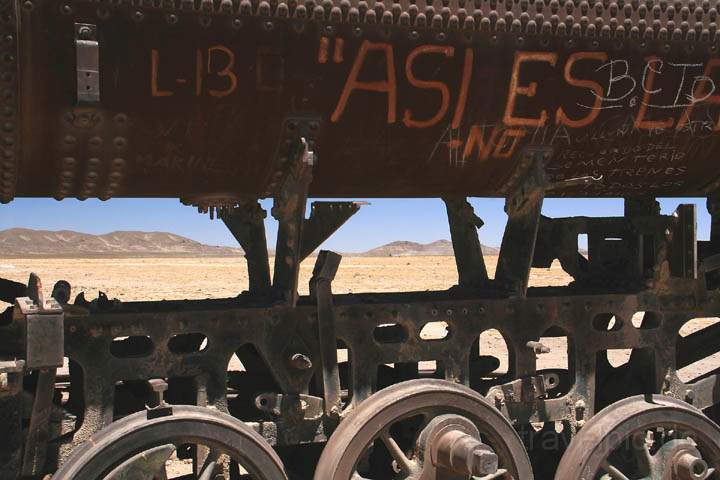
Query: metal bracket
[87, 54]
[246, 222]
[524, 400]
[325, 219]
[282, 404]
[44, 327]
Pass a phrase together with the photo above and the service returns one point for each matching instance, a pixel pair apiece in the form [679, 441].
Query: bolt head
[84, 33]
[301, 361]
[483, 462]
[158, 385]
[689, 396]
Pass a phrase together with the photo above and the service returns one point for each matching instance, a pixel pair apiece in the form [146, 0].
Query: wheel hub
[451, 447]
[680, 460]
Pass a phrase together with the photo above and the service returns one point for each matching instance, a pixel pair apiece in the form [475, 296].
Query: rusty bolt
[84, 33]
[300, 362]
[689, 396]
[158, 386]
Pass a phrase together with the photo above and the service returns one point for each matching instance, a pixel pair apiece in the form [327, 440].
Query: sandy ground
[172, 278]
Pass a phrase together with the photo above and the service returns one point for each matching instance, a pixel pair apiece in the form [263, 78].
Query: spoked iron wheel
[424, 430]
[142, 446]
[644, 438]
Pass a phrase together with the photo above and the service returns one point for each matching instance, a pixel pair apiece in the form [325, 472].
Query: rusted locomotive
[221, 103]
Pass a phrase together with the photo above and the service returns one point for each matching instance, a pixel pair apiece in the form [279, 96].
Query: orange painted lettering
[323, 50]
[156, 92]
[338, 52]
[424, 84]
[516, 90]
[225, 72]
[387, 86]
[464, 86]
[560, 117]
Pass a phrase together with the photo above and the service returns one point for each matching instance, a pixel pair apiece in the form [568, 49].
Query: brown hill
[408, 249]
[22, 242]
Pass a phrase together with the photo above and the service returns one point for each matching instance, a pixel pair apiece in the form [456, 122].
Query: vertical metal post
[684, 243]
[523, 206]
[289, 210]
[642, 249]
[324, 272]
[39, 430]
[713, 208]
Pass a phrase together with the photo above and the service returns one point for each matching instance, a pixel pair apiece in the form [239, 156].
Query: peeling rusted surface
[413, 99]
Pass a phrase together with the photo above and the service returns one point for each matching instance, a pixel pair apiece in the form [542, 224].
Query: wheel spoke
[642, 453]
[147, 465]
[208, 468]
[613, 471]
[403, 462]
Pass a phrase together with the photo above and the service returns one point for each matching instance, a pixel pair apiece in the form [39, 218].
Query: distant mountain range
[409, 249]
[23, 242]
[28, 243]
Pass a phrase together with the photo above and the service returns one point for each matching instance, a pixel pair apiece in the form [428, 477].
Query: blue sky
[380, 222]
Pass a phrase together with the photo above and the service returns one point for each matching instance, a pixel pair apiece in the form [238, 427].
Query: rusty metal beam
[698, 345]
[10, 290]
[464, 226]
[523, 205]
[246, 223]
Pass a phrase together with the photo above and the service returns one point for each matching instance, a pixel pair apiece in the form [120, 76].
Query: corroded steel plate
[197, 99]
